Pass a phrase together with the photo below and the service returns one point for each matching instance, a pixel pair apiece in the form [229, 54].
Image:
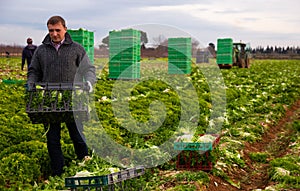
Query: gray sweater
[69, 64]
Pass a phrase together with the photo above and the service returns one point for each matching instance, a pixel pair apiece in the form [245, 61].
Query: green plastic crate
[224, 41]
[86, 39]
[79, 32]
[178, 71]
[9, 81]
[130, 32]
[224, 45]
[224, 58]
[186, 63]
[195, 146]
[91, 37]
[179, 40]
[182, 53]
[125, 76]
[124, 58]
[223, 50]
[121, 66]
[179, 56]
[124, 52]
[224, 61]
[172, 69]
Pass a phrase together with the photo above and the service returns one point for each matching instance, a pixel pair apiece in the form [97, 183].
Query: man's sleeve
[90, 73]
[23, 59]
[87, 69]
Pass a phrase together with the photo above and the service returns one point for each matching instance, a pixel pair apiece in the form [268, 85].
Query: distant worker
[7, 54]
[28, 52]
[211, 49]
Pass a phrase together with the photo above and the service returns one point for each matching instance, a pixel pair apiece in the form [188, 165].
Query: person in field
[59, 60]
[28, 52]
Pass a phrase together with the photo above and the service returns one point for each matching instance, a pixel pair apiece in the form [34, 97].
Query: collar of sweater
[68, 39]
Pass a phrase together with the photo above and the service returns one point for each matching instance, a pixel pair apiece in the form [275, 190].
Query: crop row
[144, 115]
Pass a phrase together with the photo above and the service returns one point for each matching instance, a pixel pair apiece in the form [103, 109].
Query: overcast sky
[260, 22]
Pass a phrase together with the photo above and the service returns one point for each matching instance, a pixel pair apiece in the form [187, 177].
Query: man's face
[57, 32]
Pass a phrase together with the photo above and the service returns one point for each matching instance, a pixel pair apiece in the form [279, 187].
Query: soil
[255, 176]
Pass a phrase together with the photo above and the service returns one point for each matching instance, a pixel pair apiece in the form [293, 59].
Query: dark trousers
[54, 146]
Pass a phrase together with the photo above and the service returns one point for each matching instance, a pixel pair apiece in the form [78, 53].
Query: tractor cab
[241, 55]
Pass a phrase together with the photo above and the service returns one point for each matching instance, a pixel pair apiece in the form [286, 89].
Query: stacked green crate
[86, 39]
[124, 54]
[179, 55]
[224, 51]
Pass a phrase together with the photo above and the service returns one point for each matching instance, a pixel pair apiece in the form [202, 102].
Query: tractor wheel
[234, 62]
[248, 63]
[225, 66]
[242, 63]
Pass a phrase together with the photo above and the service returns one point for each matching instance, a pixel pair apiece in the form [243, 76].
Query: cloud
[13, 36]
[242, 15]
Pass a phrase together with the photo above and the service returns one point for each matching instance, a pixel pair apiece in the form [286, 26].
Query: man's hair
[29, 41]
[56, 19]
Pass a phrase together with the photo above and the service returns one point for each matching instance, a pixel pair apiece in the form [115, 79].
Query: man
[27, 53]
[60, 60]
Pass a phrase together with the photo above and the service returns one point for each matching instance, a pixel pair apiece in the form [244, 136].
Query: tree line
[276, 49]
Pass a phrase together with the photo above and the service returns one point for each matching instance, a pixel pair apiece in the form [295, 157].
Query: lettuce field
[260, 127]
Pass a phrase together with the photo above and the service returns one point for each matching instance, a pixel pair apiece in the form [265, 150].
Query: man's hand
[28, 87]
[90, 86]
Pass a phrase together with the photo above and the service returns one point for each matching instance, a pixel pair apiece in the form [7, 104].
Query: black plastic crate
[123, 175]
[105, 182]
[86, 182]
[59, 102]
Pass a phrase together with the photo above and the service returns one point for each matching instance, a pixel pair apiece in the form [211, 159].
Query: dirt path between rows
[255, 176]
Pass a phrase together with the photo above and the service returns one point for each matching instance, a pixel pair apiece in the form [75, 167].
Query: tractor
[241, 55]
[231, 54]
